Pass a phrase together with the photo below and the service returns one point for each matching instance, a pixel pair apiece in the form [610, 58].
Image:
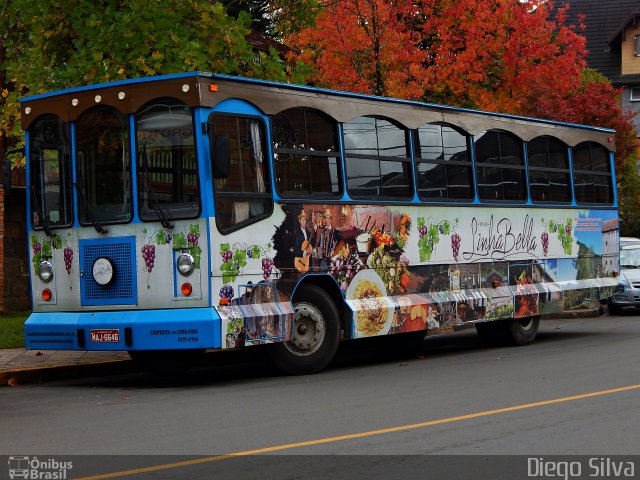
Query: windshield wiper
[96, 224]
[42, 220]
[152, 194]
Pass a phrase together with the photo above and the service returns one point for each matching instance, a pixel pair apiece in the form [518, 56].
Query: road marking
[352, 436]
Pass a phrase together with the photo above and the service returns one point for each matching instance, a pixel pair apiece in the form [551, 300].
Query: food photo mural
[409, 268]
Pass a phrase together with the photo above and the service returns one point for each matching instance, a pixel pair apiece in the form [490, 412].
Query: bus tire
[523, 331]
[315, 334]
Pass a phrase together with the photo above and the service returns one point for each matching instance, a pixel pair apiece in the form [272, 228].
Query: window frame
[87, 221]
[593, 173]
[501, 166]
[308, 153]
[268, 195]
[468, 163]
[65, 166]
[566, 171]
[139, 168]
[408, 159]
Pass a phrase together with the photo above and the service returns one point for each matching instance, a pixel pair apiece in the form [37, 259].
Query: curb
[22, 376]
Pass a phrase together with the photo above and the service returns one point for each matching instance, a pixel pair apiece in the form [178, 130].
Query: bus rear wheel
[315, 335]
[514, 331]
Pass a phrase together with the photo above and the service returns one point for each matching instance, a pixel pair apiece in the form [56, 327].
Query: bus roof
[195, 89]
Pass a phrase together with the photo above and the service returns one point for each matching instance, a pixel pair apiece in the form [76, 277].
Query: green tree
[53, 44]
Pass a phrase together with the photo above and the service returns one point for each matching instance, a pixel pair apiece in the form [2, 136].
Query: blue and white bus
[173, 214]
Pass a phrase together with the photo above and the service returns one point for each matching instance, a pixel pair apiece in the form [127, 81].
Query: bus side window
[242, 189]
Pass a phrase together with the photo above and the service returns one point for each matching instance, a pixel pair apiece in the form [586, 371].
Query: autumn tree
[56, 44]
[365, 46]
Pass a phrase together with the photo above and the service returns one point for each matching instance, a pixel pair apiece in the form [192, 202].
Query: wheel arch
[330, 286]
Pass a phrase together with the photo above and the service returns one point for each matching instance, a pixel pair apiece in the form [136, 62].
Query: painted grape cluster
[192, 238]
[149, 256]
[68, 258]
[267, 266]
[455, 245]
[226, 292]
[37, 248]
[545, 242]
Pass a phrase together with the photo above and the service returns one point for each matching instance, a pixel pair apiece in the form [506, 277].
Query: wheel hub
[308, 330]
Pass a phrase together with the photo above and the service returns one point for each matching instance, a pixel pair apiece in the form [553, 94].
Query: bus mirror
[220, 156]
[6, 167]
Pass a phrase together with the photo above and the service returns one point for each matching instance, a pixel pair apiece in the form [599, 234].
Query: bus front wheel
[315, 335]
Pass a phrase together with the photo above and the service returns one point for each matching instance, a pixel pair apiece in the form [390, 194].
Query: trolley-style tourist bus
[173, 214]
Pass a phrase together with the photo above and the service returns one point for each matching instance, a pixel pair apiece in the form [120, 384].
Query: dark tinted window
[500, 170]
[104, 166]
[549, 179]
[378, 162]
[167, 166]
[592, 173]
[50, 172]
[443, 166]
[305, 153]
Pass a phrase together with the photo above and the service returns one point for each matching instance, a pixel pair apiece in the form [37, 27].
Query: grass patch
[12, 330]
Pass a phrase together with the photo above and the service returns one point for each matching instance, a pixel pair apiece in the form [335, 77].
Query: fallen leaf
[12, 382]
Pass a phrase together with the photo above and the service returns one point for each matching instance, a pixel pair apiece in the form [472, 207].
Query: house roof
[604, 22]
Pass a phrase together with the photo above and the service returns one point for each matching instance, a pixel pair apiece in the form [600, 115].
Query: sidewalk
[18, 365]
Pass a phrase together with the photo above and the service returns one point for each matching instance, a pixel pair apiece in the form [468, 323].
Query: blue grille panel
[123, 290]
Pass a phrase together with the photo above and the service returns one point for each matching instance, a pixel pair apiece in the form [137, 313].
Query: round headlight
[46, 271]
[185, 264]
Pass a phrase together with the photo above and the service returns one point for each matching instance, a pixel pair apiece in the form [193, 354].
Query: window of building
[104, 166]
[167, 165]
[50, 173]
[245, 195]
[443, 163]
[549, 175]
[377, 159]
[305, 153]
[592, 177]
[500, 169]
[635, 94]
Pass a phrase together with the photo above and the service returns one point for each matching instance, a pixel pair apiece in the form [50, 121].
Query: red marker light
[46, 294]
[186, 289]
[213, 88]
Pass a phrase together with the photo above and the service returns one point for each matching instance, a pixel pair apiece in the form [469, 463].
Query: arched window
[50, 173]
[592, 173]
[104, 166]
[549, 177]
[443, 163]
[305, 153]
[500, 170]
[167, 165]
[377, 158]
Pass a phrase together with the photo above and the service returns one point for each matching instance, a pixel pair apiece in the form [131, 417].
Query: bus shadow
[237, 367]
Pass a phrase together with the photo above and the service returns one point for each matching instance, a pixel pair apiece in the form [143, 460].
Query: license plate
[105, 336]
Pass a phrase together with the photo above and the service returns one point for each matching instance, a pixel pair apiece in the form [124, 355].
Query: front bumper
[176, 329]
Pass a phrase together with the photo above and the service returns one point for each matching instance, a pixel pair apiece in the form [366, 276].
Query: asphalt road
[575, 391]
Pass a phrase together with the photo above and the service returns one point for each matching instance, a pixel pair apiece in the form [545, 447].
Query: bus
[176, 214]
